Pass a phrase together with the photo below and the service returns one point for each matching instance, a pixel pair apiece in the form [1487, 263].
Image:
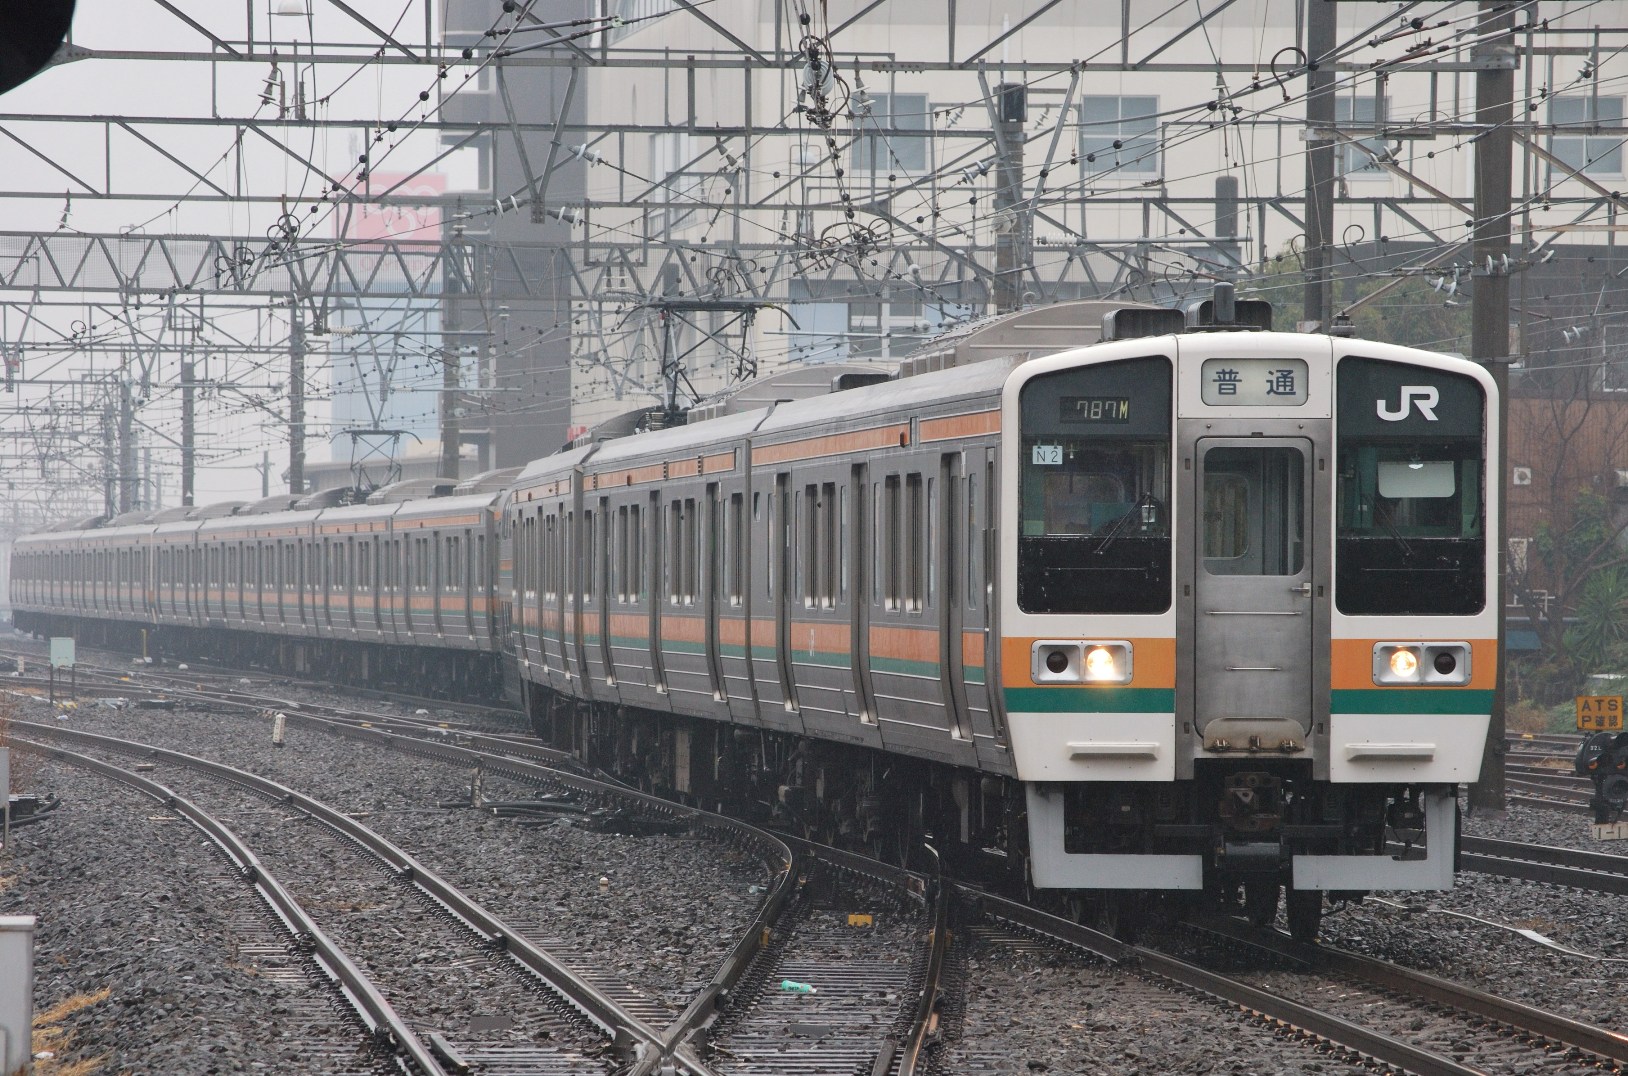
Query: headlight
[1404, 664]
[1070, 661]
[1428, 664]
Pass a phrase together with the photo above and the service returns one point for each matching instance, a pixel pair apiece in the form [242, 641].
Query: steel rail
[675, 1042]
[588, 1000]
[1599, 872]
[1372, 1044]
[912, 1059]
[1465, 999]
[1551, 804]
[382, 1020]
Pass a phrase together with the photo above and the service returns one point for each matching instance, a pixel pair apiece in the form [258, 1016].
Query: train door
[1252, 582]
[952, 513]
[859, 592]
[604, 536]
[325, 582]
[712, 585]
[783, 584]
[438, 580]
[654, 521]
[352, 581]
[466, 574]
[576, 661]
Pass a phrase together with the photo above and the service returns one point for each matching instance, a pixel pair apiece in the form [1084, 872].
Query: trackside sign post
[16, 993]
[1599, 713]
[62, 657]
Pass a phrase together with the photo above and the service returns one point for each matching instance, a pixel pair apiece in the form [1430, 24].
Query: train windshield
[1410, 536]
[1094, 496]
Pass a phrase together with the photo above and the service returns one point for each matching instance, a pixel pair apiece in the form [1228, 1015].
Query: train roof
[551, 465]
[446, 506]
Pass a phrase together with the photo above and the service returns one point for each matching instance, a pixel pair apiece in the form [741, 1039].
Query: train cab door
[1253, 623]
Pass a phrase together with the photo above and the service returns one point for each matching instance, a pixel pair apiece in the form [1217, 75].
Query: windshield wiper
[1144, 511]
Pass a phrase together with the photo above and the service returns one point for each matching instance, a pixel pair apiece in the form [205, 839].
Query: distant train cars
[1123, 603]
[407, 586]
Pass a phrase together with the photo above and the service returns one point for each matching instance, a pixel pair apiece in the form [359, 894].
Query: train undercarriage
[433, 672]
[1247, 822]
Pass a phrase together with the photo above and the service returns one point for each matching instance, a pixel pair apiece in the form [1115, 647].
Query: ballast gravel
[659, 912]
[144, 909]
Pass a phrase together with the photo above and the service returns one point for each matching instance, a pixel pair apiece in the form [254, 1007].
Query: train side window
[915, 545]
[619, 555]
[891, 519]
[590, 549]
[973, 549]
[841, 526]
[809, 563]
[635, 554]
[735, 529]
[692, 549]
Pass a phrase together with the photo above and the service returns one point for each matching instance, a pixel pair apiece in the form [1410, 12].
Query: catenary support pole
[1489, 330]
[1315, 258]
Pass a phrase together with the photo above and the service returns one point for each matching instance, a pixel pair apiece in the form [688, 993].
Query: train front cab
[1248, 616]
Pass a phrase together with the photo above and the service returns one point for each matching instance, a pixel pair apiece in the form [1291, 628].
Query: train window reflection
[1254, 516]
[1094, 527]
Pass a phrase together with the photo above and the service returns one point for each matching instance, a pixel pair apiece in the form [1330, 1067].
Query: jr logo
[1423, 397]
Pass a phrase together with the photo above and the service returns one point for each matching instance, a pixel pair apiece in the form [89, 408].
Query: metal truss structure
[103, 321]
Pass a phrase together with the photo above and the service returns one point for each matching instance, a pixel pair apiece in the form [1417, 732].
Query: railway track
[482, 940]
[751, 1028]
[300, 949]
[1324, 1033]
[1481, 1032]
[1594, 871]
[803, 943]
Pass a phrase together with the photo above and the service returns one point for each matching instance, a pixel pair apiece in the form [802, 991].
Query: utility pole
[451, 363]
[296, 399]
[1014, 224]
[451, 360]
[1495, 59]
[188, 431]
[1315, 259]
[109, 460]
[127, 448]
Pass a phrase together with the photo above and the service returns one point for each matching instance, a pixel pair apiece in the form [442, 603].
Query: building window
[1593, 155]
[631, 13]
[1364, 112]
[891, 132]
[1132, 122]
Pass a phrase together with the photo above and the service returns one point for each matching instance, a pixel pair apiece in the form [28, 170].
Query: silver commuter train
[1204, 612]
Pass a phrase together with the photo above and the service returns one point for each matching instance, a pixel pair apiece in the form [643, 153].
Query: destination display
[1235, 382]
[1077, 410]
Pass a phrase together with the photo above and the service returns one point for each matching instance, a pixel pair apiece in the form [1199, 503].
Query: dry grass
[24, 765]
[50, 1035]
[1525, 716]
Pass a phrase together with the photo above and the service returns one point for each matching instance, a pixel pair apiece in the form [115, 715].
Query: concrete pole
[1318, 308]
[1012, 241]
[1489, 328]
[451, 431]
[296, 400]
[127, 448]
[188, 432]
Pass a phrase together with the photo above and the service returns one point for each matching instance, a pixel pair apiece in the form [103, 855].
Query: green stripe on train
[1090, 700]
[1410, 700]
